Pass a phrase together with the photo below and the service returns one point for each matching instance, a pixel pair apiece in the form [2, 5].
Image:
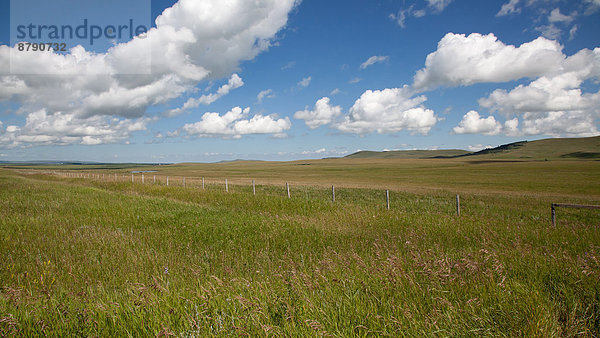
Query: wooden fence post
[553, 215]
[202, 183]
[154, 179]
[132, 178]
[142, 178]
[253, 188]
[458, 205]
[333, 193]
[184, 182]
[287, 186]
[387, 198]
[226, 186]
[167, 181]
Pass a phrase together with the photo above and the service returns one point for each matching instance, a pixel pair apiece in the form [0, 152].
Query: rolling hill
[555, 148]
[409, 154]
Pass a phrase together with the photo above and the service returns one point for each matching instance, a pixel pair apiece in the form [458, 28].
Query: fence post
[167, 181]
[387, 198]
[132, 178]
[226, 186]
[553, 215]
[287, 186]
[142, 178]
[184, 182]
[458, 205]
[333, 193]
[202, 183]
[154, 179]
[253, 188]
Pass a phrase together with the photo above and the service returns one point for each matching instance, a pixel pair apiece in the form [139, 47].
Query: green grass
[92, 258]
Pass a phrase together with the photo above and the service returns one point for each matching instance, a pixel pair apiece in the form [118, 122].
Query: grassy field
[95, 257]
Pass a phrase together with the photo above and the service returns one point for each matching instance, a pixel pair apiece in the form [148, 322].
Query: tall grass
[84, 257]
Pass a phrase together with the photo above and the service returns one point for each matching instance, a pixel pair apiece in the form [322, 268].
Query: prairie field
[105, 256]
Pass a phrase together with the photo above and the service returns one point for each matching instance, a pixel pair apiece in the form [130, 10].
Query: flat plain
[102, 256]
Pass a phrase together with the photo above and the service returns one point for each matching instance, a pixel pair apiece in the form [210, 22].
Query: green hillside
[554, 148]
[557, 148]
[409, 154]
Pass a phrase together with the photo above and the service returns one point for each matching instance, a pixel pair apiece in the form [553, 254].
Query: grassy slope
[552, 149]
[408, 154]
[552, 178]
[570, 148]
[115, 258]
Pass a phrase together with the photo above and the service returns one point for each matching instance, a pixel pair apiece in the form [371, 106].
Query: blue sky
[335, 77]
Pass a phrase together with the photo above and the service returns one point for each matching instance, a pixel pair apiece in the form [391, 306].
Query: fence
[572, 206]
[181, 181]
[287, 187]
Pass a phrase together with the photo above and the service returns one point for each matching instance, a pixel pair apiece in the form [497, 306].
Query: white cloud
[314, 152]
[193, 41]
[322, 114]
[355, 80]
[289, 65]
[557, 16]
[511, 127]
[554, 104]
[558, 91]
[66, 128]
[388, 111]
[559, 123]
[573, 32]
[403, 14]
[373, 60]
[335, 92]
[305, 82]
[465, 60]
[509, 8]
[234, 124]
[593, 6]
[438, 5]
[479, 147]
[549, 31]
[234, 82]
[400, 17]
[267, 93]
[472, 123]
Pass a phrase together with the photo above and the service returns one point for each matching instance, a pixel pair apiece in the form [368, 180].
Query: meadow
[106, 257]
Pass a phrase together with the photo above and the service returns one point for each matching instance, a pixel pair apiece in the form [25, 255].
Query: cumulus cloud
[559, 123]
[192, 41]
[42, 128]
[472, 123]
[559, 90]
[554, 104]
[234, 124]
[388, 111]
[234, 82]
[509, 8]
[373, 60]
[322, 114]
[462, 60]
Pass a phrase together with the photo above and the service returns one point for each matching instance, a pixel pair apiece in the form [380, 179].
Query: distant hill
[554, 148]
[408, 154]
